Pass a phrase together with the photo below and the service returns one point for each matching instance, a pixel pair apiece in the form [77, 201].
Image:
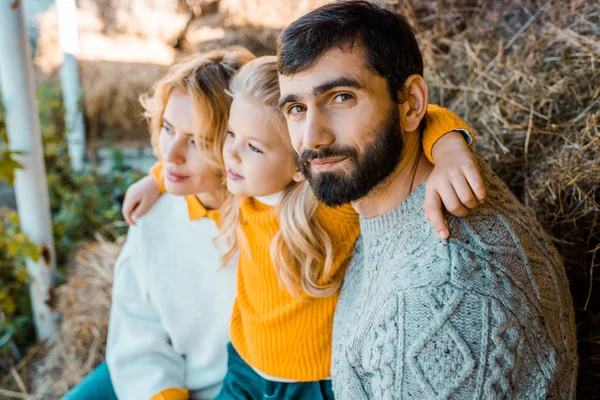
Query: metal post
[69, 78]
[31, 189]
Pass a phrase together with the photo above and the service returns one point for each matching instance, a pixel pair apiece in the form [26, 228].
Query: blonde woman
[171, 300]
[293, 251]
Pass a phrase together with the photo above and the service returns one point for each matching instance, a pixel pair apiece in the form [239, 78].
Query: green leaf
[8, 165]
[31, 250]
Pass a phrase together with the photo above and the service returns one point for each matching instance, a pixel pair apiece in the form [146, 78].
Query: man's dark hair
[391, 47]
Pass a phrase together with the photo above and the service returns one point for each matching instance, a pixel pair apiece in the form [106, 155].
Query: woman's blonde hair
[302, 250]
[205, 78]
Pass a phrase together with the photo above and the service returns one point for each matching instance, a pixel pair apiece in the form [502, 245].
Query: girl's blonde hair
[302, 250]
[205, 78]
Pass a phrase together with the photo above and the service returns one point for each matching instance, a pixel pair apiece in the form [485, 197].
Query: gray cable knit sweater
[485, 315]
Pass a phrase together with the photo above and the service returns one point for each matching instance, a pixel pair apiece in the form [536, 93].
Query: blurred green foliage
[82, 205]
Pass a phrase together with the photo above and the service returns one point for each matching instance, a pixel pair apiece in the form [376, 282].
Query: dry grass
[48, 371]
[111, 102]
[524, 74]
[84, 302]
[265, 13]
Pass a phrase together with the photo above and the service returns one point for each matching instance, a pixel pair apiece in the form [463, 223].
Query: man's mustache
[308, 155]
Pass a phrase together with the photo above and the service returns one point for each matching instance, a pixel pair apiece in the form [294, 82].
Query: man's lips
[326, 164]
[175, 177]
[233, 176]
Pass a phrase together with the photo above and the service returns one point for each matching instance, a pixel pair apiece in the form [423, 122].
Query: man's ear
[415, 95]
[298, 176]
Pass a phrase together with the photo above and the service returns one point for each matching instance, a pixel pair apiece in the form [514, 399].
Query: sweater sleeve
[157, 172]
[438, 122]
[140, 357]
[447, 343]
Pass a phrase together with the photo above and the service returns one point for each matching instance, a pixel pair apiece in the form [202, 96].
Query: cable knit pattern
[486, 314]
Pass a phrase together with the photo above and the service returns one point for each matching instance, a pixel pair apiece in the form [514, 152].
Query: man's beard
[377, 161]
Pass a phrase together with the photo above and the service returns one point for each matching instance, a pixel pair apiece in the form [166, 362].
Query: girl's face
[185, 169]
[259, 159]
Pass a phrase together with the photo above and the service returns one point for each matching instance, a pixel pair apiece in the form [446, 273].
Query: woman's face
[186, 171]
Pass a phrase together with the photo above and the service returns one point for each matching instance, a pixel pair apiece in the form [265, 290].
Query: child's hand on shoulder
[139, 198]
[455, 182]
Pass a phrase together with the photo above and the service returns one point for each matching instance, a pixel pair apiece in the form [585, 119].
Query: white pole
[69, 78]
[31, 189]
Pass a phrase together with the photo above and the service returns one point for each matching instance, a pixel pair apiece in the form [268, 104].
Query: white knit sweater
[172, 304]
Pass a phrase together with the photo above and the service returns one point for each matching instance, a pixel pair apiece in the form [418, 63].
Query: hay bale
[269, 14]
[84, 302]
[259, 40]
[111, 102]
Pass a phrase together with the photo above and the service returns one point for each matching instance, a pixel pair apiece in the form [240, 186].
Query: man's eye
[254, 149]
[295, 109]
[342, 97]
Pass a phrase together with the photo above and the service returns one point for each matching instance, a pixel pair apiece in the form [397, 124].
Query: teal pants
[242, 383]
[95, 386]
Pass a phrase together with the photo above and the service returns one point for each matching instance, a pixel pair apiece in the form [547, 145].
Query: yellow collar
[197, 210]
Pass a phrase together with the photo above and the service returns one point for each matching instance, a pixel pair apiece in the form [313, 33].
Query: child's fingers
[473, 177]
[433, 212]
[127, 209]
[464, 193]
[452, 202]
[141, 209]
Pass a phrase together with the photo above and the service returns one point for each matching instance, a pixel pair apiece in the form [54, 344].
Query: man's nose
[317, 132]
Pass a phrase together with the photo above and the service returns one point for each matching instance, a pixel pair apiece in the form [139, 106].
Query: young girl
[293, 250]
[171, 300]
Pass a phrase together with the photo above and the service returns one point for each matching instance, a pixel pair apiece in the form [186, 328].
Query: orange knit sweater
[273, 331]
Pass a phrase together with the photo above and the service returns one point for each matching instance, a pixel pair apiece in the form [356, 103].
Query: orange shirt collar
[196, 210]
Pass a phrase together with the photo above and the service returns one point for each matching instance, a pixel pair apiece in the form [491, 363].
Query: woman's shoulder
[167, 206]
[169, 221]
[166, 235]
